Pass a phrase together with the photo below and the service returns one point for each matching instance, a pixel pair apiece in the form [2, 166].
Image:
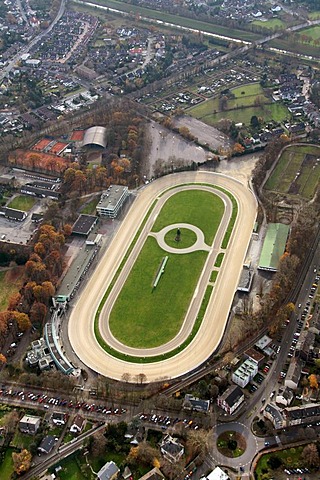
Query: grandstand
[274, 246]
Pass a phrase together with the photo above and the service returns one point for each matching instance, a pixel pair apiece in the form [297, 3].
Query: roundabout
[111, 274]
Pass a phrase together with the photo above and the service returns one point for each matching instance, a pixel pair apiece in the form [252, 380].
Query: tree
[98, 444]
[21, 461]
[313, 382]
[3, 359]
[310, 455]
[38, 312]
[254, 122]
[126, 377]
[22, 320]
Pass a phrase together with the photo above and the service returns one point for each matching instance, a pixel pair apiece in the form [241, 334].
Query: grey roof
[275, 413]
[95, 136]
[84, 224]
[232, 395]
[197, 403]
[47, 444]
[294, 372]
[107, 471]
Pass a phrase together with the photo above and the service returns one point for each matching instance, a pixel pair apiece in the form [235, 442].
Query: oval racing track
[81, 321]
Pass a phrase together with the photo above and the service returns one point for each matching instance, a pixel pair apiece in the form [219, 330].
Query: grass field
[272, 24]
[290, 457]
[313, 32]
[6, 467]
[241, 108]
[295, 46]
[314, 15]
[187, 238]
[22, 202]
[10, 282]
[179, 20]
[157, 315]
[297, 171]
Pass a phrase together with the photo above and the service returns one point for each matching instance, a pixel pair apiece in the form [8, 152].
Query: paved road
[81, 322]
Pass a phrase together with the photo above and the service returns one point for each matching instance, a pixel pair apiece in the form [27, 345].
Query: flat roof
[273, 246]
[111, 197]
[84, 224]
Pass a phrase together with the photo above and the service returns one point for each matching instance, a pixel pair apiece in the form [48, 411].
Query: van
[3, 236]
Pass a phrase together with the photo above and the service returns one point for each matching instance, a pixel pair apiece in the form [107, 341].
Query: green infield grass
[205, 299]
[22, 202]
[219, 260]
[213, 276]
[197, 207]
[297, 171]
[156, 315]
[187, 238]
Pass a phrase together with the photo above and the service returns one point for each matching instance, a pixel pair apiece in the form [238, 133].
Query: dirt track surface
[81, 322]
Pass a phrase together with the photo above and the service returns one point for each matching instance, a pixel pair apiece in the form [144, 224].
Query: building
[245, 373]
[29, 424]
[95, 137]
[304, 347]
[273, 413]
[246, 279]
[193, 403]
[46, 444]
[263, 343]
[77, 424]
[293, 375]
[13, 214]
[285, 398]
[255, 356]
[171, 449]
[300, 415]
[84, 224]
[231, 399]
[109, 471]
[216, 474]
[274, 246]
[112, 200]
[154, 474]
[59, 418]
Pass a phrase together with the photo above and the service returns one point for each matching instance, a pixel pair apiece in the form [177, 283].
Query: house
[231, 399]
[193, 403]
[59, 418]
[13, 214]
[77, 424]
[217, 474]
[109, 471]
[29, 424]
[293, 375]
[273, 413]
[154, 474]
[46, 444]
[285, 398]
[300, 415]
[304, 345]
[171, 449]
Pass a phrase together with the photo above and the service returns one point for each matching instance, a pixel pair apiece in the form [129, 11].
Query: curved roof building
[95, 136]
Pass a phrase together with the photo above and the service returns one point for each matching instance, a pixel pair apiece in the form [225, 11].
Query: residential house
[255, 356]
[109, 471]
[171, 449]
[77, 424]
[304, 345]
[231, 399]
[303, 414]
[293, 375]
[273, 413]
[193, 403]
[29, 424]
[217, 474]
[59, 418]
[154, 474]
[46, 444]
[285, 397]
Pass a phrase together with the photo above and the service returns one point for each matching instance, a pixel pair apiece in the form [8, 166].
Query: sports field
[156, 315]
[297, 171]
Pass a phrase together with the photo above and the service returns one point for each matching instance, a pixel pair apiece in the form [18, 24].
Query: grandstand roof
[273, 246]
[95, 136]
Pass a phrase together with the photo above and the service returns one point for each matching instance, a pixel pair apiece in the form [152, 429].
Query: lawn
[90, 207]
[22, 202]
[219, 260]
[213, 276]
[272, 24]
[10, 282]
[156, 315]
[6, 467]
[22, 440]
[290, 458]
[313, 33]
[294, 173]
[186, 239]
[195, 207]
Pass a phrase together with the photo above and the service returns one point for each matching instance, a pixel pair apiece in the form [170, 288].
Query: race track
[81, 321]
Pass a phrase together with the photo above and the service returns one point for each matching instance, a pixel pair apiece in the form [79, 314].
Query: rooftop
[273, 246]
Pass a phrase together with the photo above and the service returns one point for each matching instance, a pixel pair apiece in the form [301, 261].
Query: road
[81, 321]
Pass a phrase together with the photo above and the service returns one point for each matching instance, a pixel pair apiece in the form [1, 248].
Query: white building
[245, 373]
[112, 200]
